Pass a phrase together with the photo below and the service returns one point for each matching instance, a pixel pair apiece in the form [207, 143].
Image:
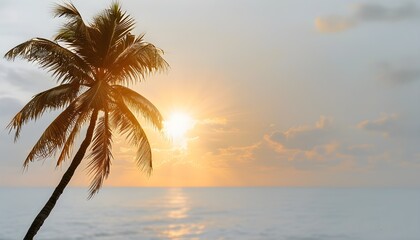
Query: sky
[277, 93]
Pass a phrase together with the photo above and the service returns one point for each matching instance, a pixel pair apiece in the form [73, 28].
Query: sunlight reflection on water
[177, 231]
[179, 205]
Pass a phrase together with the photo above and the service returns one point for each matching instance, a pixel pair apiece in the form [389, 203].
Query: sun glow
[178, 125]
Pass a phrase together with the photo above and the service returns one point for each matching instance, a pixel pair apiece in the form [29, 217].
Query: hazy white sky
[289, 93]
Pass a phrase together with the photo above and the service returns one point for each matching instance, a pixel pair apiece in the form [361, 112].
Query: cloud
[358, 150]
[305, 136]
[322, 145]
[217, 125]
[320, 154]
[301, 147]
[367, 12]
[398, 74]
[376, 12]
[386, 125]
[241, 154]
[333, 23]
[318, 149]
[214, 121]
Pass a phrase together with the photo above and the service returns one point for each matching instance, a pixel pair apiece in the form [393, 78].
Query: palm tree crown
[93, 65]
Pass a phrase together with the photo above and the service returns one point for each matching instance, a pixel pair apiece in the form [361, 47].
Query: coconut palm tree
[93, 64]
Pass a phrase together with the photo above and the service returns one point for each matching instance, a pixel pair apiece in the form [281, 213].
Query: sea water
[216, 213]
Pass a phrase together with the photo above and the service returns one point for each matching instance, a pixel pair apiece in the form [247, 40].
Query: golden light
[178, 125]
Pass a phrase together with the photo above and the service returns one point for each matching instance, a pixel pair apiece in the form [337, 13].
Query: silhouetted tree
[93, 65]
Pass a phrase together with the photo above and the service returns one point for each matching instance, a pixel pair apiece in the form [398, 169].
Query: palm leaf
[141, 105]
[136, 61]
[67, 10]
[54, 137]
[100, 155]
[67, 147]
[65, 66]
[51, 99]
[55, 134]
[126, 123]
[112, 25]
[75, 32]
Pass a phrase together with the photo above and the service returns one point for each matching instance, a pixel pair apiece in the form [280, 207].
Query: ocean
[217, 213]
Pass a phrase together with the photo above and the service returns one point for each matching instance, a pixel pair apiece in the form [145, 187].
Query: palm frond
[51, 99]
[68, 145]
[126, 123]
[55, 135]
[137, 60]
[65, 66]
[140, 105]
[67, 10]
[100, 163]
[75, 32]
[98, 95]
[112, 25]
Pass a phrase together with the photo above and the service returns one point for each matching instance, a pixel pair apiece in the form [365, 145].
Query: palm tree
[93, 65]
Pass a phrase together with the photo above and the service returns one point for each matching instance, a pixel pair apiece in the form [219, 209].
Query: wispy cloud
[305, 136]
[367, 12]
[217, 125]
[387, 125]
[214, 121]
[333, 23]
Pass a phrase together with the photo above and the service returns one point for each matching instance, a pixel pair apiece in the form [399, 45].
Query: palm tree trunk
[46, 210]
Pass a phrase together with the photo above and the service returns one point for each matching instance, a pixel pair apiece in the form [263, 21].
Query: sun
[177, 125]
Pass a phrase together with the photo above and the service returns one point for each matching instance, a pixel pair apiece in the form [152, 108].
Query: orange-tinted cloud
[385, 125]
[330, 24]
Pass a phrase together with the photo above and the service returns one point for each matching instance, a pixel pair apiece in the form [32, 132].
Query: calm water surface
[216, 213]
